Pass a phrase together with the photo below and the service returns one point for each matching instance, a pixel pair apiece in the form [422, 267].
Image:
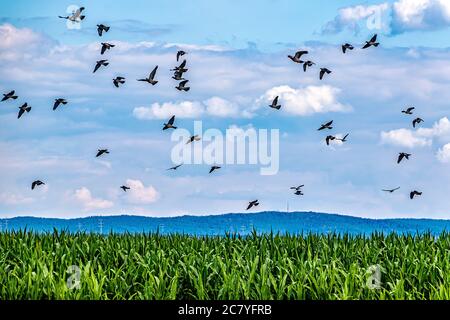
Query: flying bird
[371, 42]
[297, 56]
[252, 204]
[106, 46]
[409, 110]
[169, 124]
[307, 64]
[180, 53]
[36, 183]
[76, 15]
[323, 71]
[176, 167]
[182, 86]
[99, 64]
[275, 104]
[181, 68]
[390, 190]
[417, 121]
[193, 138]
[299, 193]
[297, 188]
[329, 138]
[178, 76]
[58, 102]
[344, 139]
[403, 155]
[151, 77]
[101, 151]
[326, 126]
[9, 95]
[24, 108]
[118, 80]
[347, 46]
[214, 168]
[414, 193]
[125, 188]
[101, 28]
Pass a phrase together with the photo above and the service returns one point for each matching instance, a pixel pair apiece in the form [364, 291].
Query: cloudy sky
[237, 60]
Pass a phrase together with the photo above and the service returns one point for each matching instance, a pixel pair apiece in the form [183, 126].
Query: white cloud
[184, 109]
[439, 129]
[306, 101]
[9, 198]
[404, 138]
[140, 194]
[443, 154]
[84, 196]
[219, 107]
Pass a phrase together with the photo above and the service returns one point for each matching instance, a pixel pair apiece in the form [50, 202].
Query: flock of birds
[178, 73]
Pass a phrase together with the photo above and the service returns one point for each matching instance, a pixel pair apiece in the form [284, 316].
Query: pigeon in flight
[101, 28]
[101, 151]
[106, 46]
[9, 95]
[125, 188]
[22, 110]
[178, 76]
[180, 53]
[326, 126]
[169, 124]
[346, 47]
[344, 139]
[391, 190]
[307, 64]
[297, 56]
[118, 80]
[252, 204]
[58, 102]
[403, 155]
[182, 86]
[181, 68]
[297, 188]
[214, 168]
[275, 104]
[323, 71]
[417, 121]
[76, 15]
[175, 168]
[329, 138]
[371, 42]
[151, 77]
[409, 110]
[193, 138]
[299, 193]
[99, 64]
[36, 183]
[414, 193]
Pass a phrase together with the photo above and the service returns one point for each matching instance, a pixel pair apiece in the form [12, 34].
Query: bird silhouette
[175, 167]
[36, 183]
[76, 15]
[100, 63]
[151, 77]
[417, 121]
[347, 46]
[214, 168]
[253, 203]
[323, 71]
[125, 188]
[297, 188]
[106, 46]
[180, 53]
[101, 152]
[391, 190]
[371, 42]
[403, 155]
[181, 68]
[344, 139]
[101, 28]
[9, 95]
[307, 64]
[169, 124]
[22, 109]
[58, 102]
[118, 80]
[326, 126]
[414, 193]
[329, 138]
[297, 56]
[275, 104]
[193, 138]
[177, 75]
[182, 86]
[299, 193]
[408, 110]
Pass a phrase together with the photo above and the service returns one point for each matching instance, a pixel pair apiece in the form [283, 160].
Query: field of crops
[48, 266]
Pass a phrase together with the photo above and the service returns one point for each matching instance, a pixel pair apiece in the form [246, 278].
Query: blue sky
[237, 63]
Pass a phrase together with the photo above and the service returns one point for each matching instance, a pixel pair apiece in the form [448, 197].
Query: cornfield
[270, 266]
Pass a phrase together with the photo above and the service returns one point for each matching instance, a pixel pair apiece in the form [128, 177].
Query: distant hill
[278, 222]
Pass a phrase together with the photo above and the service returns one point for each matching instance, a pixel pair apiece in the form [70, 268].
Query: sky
[237, 60]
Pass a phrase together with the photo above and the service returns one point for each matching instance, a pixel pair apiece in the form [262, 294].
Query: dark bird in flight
[297, 56]
[101, 28]
[298, 188]
[417, 121]
[22, 110]
[409, 110]
[299, 193]
[76, 15]
[36, 183]
[193, 138]
[180, 53]
[214, 168]
[252, 204]
[402, 155]
[125, 188]
[99, 64]
[58, 102]
[9, 95]
[414, 193]
[326, 126]
[371, 42]
[151, 77]
[323, 71]
[182, 86]
[101, 151]
[181, 68]
[169, 124]
[307, 64]
[106, 46]
[329, 138]
[275, 104]
[175, 168]
[178, 76]
[118, 80]
[391, 190]
[346, 47]
[344, 139]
